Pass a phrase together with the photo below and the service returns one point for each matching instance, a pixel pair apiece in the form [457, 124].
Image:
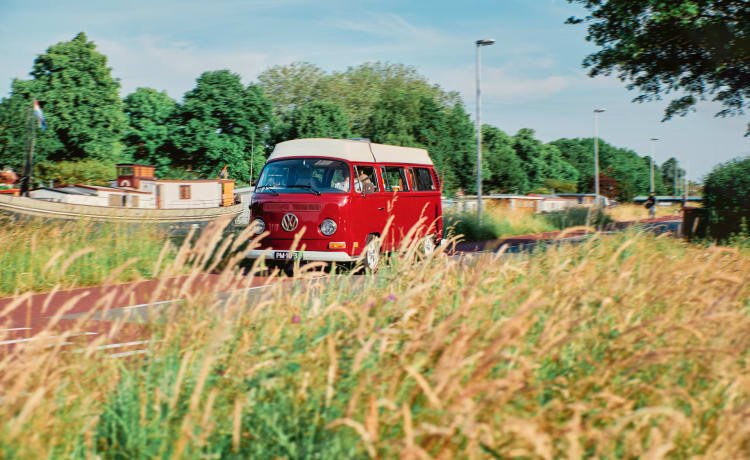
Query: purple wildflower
[295, 319]
[391, 297]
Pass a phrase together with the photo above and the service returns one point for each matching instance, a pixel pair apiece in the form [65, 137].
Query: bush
[496, 223]
[575, 217]
[88, 172]
[727, 198]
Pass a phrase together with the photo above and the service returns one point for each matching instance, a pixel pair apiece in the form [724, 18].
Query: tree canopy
[222, 123]
[699, 49]
[150, 116]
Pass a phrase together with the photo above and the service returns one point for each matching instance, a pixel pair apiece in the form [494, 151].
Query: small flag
[40, 115]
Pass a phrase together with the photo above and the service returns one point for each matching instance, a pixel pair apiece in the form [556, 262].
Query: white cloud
[173, 66]
[391, 28]
[501, 86]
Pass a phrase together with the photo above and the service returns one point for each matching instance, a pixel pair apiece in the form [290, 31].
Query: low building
[666, 200]
[92, 195]
[176, 193]
[585, 199]
[137, 187]
[552, 203]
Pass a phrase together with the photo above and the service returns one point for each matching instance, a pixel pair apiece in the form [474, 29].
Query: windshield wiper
[258, 189]
[306, 187]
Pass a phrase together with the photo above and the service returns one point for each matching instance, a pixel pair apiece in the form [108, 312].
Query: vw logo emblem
[289, 222]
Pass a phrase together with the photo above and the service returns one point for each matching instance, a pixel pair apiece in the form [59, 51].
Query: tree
[80, 100]
[701, 48]
[669, 170]
[150, 123]
[541, 161]
[727, 197]
[394, 117]
[316, 119]
[222, 123]
[293, 85]
[505, 171]
[579, 153]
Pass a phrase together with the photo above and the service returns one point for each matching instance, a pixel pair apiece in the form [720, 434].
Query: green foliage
[505, 170]
[560, 186]
[222, 123]
[575, 217]
[668, 170]
[727, 197]
[494, 225]
[699, 49]
[150, 126]
[541, 161]
[314, 119]
[80, 100]
[89, 172]
[629, 171]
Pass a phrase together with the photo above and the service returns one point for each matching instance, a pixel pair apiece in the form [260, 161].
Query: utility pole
[596, 158]
[480, 43]
[29, 163]
[653, 141]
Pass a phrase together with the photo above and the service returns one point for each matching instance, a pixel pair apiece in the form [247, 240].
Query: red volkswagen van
[343, 193]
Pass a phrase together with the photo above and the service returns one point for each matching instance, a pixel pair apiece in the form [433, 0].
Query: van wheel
[428, 245]
[372, 253]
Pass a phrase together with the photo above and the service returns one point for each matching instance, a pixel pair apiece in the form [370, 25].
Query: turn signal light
[337, 245]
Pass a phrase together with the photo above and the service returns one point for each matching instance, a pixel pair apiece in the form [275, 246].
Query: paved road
[22, 319]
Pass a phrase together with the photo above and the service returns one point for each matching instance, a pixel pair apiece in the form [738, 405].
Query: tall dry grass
[39, 254]
[624, 346]
[631, 212]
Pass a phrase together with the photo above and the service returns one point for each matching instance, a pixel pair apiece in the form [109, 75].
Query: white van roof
[351, 150]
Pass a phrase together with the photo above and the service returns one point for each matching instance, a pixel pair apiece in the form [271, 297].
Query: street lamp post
[653, 141]
[480, 43]
[596, 157]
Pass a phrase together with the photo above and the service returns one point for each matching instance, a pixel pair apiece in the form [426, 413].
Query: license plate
[286, 255]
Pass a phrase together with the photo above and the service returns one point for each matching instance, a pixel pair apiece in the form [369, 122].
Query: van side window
[394, 178]
[365, 179]
[423, 180]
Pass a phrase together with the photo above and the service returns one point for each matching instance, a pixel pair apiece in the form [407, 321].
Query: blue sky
[532, 77]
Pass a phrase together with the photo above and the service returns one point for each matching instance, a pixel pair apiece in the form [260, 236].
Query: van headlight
[260, 226]
[328, 227]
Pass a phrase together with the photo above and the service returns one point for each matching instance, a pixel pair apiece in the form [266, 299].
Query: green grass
[625, 346]
[501, 223]
[38, 255]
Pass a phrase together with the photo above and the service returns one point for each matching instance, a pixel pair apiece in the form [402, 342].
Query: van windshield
[317, 175]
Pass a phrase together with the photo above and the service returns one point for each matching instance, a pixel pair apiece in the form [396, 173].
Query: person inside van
[365, 181]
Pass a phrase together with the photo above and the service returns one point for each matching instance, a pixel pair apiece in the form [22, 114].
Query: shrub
[89, 172]
[727, 197]
[575, 217]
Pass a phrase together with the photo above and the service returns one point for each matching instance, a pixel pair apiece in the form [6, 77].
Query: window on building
[125, 171]
[184, 192]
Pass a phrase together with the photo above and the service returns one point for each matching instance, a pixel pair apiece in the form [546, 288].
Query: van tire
[427, 247]
[372, 253]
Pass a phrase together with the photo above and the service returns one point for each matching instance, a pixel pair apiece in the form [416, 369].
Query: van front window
[297, 175]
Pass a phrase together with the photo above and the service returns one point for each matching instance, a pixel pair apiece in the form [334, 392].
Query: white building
[136, 187]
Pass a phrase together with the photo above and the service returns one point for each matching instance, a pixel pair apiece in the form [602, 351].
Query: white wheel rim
[372, 255]
[429, 246]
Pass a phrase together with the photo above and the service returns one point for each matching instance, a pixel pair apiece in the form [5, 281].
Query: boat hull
[29, 207]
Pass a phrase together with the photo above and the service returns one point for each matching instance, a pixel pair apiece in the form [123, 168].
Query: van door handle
[380, 209]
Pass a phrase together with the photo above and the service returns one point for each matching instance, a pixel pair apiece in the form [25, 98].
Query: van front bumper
[316, 256]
